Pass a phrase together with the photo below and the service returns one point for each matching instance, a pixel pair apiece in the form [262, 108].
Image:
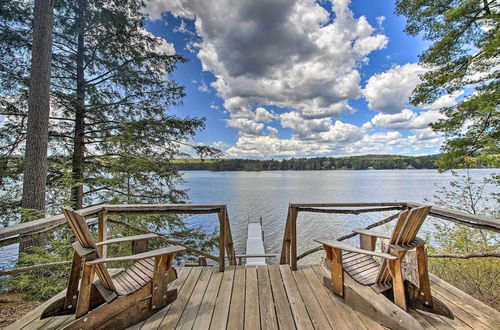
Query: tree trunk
[79, 139]
[35, 168]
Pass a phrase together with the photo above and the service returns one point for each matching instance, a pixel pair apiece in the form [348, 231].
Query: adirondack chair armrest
[345, 247]
[85, 253]
[370, 233]
[127, 239]
[139, 256]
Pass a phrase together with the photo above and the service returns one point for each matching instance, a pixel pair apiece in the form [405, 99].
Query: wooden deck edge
[35, 313]
[468, 298]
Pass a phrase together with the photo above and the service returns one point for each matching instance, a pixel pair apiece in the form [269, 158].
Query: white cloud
[343, 132]
[220, 145]
[182, 28]
[304, 128]
[338, 138]
[424, 138]
[389, 92]
[380, 20]
[273, 132]
[162, 46]
[203, 87]
[283, 53]
[406, 119]
[263, 115]
[444, 101]
[246, 126]
[295, 55]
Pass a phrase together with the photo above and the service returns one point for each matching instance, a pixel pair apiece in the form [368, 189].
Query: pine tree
[464, 54]
[111, 137]
[35, 157]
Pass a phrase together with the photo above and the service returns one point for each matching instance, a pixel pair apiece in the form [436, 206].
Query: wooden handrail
[289, 245]
[101, 212]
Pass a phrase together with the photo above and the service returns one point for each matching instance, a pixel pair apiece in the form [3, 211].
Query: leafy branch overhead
[464, 56]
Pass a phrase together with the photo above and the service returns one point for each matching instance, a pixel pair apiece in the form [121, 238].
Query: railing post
[285, 247]
[293, 238]
[222, 238]
[102, 231]
[229, 241]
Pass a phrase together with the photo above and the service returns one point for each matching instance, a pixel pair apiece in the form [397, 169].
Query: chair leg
[337, 271]
[74, 277]
[160, 281]
[83, 304]
[423, 277]
[398, 284]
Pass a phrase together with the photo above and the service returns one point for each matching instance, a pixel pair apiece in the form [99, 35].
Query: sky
[299, 78]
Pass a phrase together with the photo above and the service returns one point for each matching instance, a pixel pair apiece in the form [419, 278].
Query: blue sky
[299, 78]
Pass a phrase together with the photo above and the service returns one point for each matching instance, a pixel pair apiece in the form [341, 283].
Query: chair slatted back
[405, 231]
[81, 230]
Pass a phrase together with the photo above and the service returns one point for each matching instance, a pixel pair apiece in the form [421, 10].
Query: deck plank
[297, 305]
[252, 312]
[318, 318]
[57, 321]
[154, 321]
[35, 313]
[37, 324]
[236, 317]
[176, 309]
[435, 321]
[221, 312]
[461, 314]
[283, 311]
[267, 311]
[470, 305]
[204, 316]
[274, 297]
[335, 315]
[188, 317]
[358, 319]
[425, 324]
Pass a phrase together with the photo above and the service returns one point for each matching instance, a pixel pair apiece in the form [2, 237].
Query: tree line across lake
[317, 163]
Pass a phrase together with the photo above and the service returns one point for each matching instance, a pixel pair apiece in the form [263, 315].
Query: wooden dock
[274, 297]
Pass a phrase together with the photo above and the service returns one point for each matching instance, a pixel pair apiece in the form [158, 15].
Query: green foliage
[464, 54]
[478, 276]
[44, 283]
[130, 135]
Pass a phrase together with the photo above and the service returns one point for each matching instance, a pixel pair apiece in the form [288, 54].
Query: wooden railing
[289, 245]
[25, 231]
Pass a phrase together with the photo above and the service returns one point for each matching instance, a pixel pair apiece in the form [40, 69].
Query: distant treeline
[318, 163]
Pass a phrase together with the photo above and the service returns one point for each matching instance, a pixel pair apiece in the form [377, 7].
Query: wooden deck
[273, 297]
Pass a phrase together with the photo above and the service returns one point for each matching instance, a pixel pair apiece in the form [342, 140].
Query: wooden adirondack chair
[120, 300]
[365, 283]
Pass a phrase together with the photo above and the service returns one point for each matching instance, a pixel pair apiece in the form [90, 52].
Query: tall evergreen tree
[37, 139]
[464, 54]
[110, 95]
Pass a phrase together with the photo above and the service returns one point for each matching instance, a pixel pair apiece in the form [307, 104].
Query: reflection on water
[267, 194]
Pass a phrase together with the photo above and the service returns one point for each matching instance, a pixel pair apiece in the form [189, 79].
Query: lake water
[267, 195]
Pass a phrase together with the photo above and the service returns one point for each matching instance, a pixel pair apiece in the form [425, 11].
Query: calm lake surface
[267, 194]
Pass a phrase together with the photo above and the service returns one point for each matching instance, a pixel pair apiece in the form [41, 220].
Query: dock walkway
[274, 297]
